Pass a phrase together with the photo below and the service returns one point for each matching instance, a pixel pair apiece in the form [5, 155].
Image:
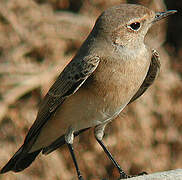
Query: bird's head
[127, 24]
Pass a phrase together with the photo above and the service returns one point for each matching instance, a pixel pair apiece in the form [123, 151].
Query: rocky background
[37, 39]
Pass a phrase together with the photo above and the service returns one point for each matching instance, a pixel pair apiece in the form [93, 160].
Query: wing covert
[67, 83]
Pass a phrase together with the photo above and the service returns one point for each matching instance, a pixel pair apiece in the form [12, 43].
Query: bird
[112, 68]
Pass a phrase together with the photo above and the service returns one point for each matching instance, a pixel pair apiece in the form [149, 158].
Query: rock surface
[165, 175]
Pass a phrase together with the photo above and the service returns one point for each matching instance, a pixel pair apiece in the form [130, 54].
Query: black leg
[74, 160]
[123, 175]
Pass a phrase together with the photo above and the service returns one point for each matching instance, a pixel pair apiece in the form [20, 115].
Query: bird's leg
[99, 132]
[69, 136]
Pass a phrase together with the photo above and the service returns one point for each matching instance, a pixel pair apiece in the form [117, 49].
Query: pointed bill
[162, 15]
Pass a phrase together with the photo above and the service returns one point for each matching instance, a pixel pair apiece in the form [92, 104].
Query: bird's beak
[162, 15]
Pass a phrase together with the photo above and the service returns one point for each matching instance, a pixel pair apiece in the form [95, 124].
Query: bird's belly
[85, 109]
[81, 110]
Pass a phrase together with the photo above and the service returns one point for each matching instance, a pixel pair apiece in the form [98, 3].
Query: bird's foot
[142, 173]
[125, 176]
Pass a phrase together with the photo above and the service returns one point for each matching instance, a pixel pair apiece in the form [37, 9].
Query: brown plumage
[112, 69]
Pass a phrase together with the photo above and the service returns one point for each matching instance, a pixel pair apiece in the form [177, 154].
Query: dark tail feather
[22, 160]
[56, 144]
[59, 142]
[19, 161]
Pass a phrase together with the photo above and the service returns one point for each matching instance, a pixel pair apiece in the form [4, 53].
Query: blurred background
[37, 39]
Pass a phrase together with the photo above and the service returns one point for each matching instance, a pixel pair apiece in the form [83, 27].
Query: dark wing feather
[59, 142]
[68, 82]
[150, 77]
[19, 161]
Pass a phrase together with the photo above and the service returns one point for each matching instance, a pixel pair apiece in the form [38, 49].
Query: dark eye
[134, 26]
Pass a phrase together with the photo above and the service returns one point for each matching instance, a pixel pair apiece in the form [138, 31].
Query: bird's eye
[134, 26]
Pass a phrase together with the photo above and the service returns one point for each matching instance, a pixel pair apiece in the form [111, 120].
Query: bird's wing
[150, 77]
[68, 82]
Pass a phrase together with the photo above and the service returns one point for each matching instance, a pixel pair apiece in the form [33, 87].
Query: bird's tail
[22, 159]
[19, 161]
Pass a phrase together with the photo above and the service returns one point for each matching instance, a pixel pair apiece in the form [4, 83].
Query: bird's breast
[114, 83]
